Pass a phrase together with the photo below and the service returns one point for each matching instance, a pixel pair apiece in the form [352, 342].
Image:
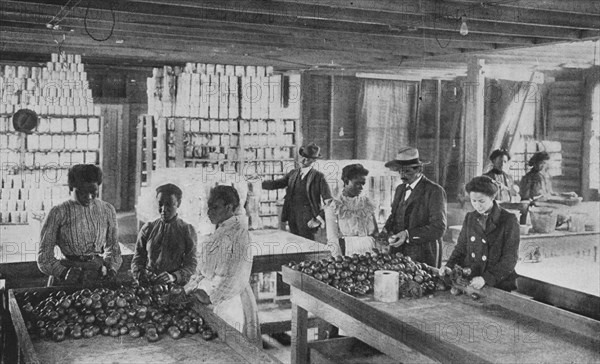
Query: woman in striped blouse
[85, 230]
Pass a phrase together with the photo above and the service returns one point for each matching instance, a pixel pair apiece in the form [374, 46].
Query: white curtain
[385, 116]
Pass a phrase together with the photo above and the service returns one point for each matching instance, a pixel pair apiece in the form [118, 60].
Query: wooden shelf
[271, 146]
[198, 160]
[55, 116]
[208, 132]
[59, 150]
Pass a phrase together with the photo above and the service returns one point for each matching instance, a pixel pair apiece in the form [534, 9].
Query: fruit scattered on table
[137, 311]
[355, 274]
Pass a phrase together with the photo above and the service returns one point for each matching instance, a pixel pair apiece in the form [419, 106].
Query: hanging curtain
[385, 117]
[517, 116]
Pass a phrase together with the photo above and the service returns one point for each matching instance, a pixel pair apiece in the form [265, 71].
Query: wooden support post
[473, 90]
[438, 111]
[417, 108]
[299, 335]
[331, 116]
[179, 147]
[138, 158]
[161, 142]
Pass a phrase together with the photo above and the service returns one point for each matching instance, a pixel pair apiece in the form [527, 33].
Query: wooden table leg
[299, 335]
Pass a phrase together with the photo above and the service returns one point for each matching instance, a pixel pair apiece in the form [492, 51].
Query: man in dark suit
[418, 218]
[306, 190]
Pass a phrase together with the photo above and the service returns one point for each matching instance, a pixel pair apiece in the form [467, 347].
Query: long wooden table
[562, 243]
[273, 248]
[500, 327]
[229, 347]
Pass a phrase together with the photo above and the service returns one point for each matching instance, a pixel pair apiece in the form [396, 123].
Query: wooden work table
[499, 327]
[229, 347]
[562, 243]
[273, 248]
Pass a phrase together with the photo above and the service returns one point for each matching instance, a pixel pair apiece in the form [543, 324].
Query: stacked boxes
[59, 88]
[34, 166]
[223, 92]
[23, 197]
[234, 119]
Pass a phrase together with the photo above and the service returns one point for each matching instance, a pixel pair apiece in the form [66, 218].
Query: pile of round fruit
[356, 274]
[134, 311]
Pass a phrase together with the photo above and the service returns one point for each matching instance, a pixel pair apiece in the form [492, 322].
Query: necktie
[482, 219]
[407, 192]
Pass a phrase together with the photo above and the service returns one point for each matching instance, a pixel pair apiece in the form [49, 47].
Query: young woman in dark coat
[488, 243]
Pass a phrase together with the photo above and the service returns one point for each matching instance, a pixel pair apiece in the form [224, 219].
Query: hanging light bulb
[464, 30]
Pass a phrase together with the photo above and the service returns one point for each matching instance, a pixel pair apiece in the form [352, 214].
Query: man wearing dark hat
[85, 230]
[306, 190]
[418, 218]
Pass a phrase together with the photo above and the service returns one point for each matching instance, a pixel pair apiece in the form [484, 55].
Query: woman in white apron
[222, 280]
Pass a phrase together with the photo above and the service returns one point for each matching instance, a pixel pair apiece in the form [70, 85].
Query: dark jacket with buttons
[317, 190]
[491, 253]
[423, 215]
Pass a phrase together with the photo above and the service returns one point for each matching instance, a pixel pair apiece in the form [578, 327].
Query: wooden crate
[229, 347]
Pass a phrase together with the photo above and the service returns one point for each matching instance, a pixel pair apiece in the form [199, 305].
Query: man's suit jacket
[424, 218]
[316, 188]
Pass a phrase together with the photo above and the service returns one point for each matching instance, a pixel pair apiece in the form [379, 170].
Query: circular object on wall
[25, 120]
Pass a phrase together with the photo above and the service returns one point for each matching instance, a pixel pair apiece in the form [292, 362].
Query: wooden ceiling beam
[400, 46]
[164, 42]
[496, 11]
[573, 7]
[351, 20]
[430, 15]
[234, 55]
[42, 13]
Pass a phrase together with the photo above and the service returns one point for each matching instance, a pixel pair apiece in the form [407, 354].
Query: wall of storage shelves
[34, 166]
[227, 119]
[246, 147]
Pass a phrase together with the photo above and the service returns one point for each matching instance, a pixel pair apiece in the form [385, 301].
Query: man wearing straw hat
[418, 218]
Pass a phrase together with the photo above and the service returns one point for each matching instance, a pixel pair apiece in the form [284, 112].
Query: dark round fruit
[207, 334]
[134, 332]
[58, 336]
[174, 332]
[152, 337]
